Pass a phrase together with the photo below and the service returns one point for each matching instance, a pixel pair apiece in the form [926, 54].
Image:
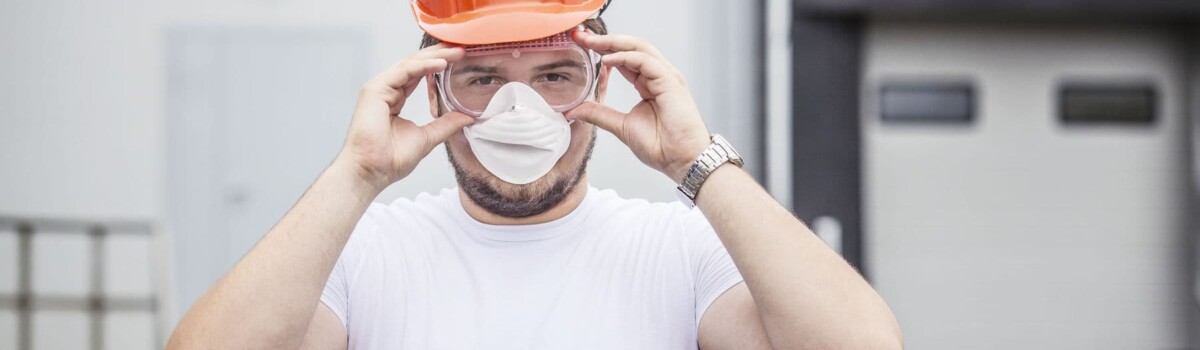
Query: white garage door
[1017, 231]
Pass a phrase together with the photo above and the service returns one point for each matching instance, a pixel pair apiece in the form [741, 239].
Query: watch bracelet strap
[718, 153]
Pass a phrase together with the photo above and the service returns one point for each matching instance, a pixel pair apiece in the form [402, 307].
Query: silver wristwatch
[717, 154]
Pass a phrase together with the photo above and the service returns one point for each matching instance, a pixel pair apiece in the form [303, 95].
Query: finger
[409, 72]
[653, 78]
[441, 128]
[388, 90]
[600, 115]
[406, 73]
[629, 75]
[632, 77]
[606, 44]
[641, 63]
[440, 50]
[393, 87]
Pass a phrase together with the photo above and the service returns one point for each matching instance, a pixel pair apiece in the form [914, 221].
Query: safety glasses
[560, 70]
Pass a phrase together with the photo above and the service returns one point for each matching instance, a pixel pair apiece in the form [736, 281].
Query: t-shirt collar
[522, 233]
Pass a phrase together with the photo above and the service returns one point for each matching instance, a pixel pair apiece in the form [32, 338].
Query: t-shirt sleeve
[712, 267]
[336, 295]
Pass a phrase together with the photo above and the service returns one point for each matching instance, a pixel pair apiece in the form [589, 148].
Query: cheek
[581, 134]
[461, 150]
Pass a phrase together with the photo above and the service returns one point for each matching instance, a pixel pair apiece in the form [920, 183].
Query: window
[1122, 103]
[927, 102]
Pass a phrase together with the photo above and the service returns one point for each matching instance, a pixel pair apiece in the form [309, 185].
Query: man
[524, 254]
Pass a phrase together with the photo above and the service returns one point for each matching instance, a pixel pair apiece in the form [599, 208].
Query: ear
[435, 103]
[602, 83]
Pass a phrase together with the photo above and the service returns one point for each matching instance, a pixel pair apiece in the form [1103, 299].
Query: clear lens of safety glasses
[556, 67]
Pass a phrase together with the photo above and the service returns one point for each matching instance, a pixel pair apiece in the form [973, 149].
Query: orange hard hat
[474, 22]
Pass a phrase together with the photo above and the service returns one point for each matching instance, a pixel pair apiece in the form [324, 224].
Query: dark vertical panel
[760, 89]
[1192, 34]
[96, 310]
[825, 125]
[24, 286]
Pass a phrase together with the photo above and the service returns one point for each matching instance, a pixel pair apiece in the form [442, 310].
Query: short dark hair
[596, 25]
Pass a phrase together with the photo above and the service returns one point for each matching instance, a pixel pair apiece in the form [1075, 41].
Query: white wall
[1017, 231]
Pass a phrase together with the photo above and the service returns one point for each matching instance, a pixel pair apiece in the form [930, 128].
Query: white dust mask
[519, 137]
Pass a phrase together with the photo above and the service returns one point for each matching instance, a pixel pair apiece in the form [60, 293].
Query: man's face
[512, 200]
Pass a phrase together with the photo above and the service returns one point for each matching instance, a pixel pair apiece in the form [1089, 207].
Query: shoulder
[424, 206]
[610, 204]
[423, 211]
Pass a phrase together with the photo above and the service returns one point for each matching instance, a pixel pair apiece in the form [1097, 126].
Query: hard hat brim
[508, 24]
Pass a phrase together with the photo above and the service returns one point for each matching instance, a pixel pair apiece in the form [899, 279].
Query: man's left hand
[664, 130]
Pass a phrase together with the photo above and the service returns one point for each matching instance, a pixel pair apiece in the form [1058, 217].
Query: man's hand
[382, 147]
[664, 130]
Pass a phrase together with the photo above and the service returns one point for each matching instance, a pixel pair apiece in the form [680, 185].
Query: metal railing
[95, 303]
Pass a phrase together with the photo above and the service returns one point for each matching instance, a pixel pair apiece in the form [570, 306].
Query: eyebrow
[560, 64]
[474, 68]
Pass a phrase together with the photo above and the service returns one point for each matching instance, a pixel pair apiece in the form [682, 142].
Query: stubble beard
[520, 201]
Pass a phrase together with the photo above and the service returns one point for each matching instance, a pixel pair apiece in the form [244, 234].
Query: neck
[563, 208]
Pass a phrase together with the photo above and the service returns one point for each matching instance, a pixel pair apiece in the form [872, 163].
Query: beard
[520, 201]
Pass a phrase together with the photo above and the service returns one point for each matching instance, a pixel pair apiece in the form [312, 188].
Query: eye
[487, 80]
[555, 77]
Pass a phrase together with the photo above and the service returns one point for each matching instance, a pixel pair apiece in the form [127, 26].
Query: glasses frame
[561, 41]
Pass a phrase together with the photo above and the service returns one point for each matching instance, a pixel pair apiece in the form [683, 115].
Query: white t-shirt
[613, 274]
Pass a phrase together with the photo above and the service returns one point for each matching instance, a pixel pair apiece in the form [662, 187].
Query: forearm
[807, 295]
[268, 298]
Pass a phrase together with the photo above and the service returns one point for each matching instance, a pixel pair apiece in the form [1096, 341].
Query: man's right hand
[382, 147]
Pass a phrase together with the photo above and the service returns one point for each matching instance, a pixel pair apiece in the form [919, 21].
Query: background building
[1008, 174]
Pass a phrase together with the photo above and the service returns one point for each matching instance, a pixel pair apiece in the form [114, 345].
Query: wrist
[362, 179]
[718, 153]
[679, 169]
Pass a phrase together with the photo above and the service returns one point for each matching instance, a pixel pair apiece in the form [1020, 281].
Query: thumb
[600, 115]
[443, 127]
